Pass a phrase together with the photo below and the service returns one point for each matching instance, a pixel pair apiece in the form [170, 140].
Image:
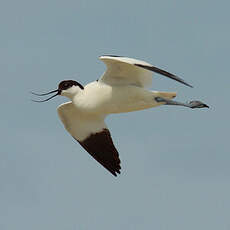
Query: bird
[122, 88]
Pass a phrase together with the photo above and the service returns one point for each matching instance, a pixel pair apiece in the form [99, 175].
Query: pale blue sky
[175, 161]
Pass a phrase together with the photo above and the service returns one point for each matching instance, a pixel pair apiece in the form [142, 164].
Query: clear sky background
[175, 161]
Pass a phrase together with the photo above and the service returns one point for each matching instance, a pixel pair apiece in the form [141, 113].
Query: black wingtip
[118, 172]
[110, 55]
[100, 146]
[165, 73]
[115, 172]
[187, 84]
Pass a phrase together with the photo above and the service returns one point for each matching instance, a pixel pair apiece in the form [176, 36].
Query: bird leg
[191, 104]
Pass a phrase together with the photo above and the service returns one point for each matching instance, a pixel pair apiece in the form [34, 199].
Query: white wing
[129, 71]
[92, 134]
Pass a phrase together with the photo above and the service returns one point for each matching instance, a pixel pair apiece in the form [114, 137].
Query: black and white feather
[121, 89]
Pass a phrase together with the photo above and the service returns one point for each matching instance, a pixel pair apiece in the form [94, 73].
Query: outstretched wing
[129, 71]
[92, 134]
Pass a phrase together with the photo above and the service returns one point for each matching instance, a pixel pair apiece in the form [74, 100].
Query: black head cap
[67, 84]
[62, 86]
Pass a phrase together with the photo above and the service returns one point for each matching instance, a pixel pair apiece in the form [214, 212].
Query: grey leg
[191, 104]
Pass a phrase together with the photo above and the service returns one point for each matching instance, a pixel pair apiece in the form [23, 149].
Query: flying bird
[122, 88]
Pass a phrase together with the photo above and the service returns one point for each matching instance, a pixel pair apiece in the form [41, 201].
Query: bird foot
[197, 104]
[191, 104]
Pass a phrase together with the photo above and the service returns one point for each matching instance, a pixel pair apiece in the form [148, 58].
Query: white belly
[104, 99]
[131, 98]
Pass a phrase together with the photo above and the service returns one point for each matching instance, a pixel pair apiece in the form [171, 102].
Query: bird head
[67, 88]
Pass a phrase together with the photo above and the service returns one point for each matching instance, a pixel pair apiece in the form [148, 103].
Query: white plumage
[122, 71]
[122, 88]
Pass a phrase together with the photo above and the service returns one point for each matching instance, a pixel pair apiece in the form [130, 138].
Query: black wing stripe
[100, 146]
[163, 72]
[109, 55]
